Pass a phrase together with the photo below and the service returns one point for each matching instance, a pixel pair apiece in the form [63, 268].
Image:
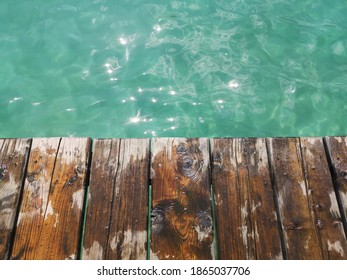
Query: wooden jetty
[173, 198]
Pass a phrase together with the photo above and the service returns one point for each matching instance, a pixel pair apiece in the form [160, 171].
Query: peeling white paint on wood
[115, 240]
[134, 240]
[238, 154]
[280, 201]
[132, 149]
[337, 247]
[8, 190]
[255, 206]
[218, 200]
[262, 154]
[234, 154]
[256, 234]
[56, 220]
[203, 234]
[203, 146]
[339, 139]
[71, 257]
[244, 212]
[132, 244]
[309, 142]
[270, 145]
[77, 199]
[334, 208]
[117, 187]
[28, 216]
[161, 145]
[302, 185]
[43, 145]
[7, 197]
[213, 252]
[278, 257]
[153, 255]
[39, 191]
[107, 143]
[343, 196]
[49, 210]
[152, 175]
[285, 235]
[7, 219]
[95, 252]
[244, 233]
[72, 150]
[40, 180]
[89, 197]
[306, 244]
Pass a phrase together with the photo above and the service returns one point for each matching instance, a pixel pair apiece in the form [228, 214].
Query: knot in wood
[187, 162]
[205, 220]
[157, 218]
[72, 180]
[30, 177]
[189, 166]
[181, 148]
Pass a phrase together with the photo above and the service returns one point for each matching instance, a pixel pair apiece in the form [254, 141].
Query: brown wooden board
[13, 158]
[337, 149]
[246, 219]
[181, 220]
[300, 236]
[322, 199]
[116, 224]
[49, 221]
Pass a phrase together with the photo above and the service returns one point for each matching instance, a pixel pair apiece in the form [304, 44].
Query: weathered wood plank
[116, 225]
[322, 199]
[182, 226]
[300, 236]
[13, 158]
[50, 215]
[337, 149]
[243, 193]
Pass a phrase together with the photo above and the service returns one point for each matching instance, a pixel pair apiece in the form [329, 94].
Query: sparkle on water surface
[143, 68]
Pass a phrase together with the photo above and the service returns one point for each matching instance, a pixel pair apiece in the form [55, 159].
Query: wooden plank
[50, 215]
[13, 158]
[337, 149]
[182, 226]
[300, 236]
[243, 193]
[116, 225]
[322, 199]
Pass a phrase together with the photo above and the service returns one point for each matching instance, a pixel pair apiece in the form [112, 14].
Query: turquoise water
[145, 68]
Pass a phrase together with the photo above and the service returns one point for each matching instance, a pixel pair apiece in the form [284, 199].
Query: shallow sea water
[143, 68]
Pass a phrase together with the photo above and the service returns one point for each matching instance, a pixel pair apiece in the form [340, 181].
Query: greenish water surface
[143, 68]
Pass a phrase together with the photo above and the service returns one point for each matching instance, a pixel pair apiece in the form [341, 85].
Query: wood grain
[300, 236]
[243, 193]
[322, 199]
[13, 158]
[182, 226]
[50, 215]
[337, 149]
[116, 225]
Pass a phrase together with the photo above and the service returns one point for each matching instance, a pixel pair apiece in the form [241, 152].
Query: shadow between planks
[77, 198]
